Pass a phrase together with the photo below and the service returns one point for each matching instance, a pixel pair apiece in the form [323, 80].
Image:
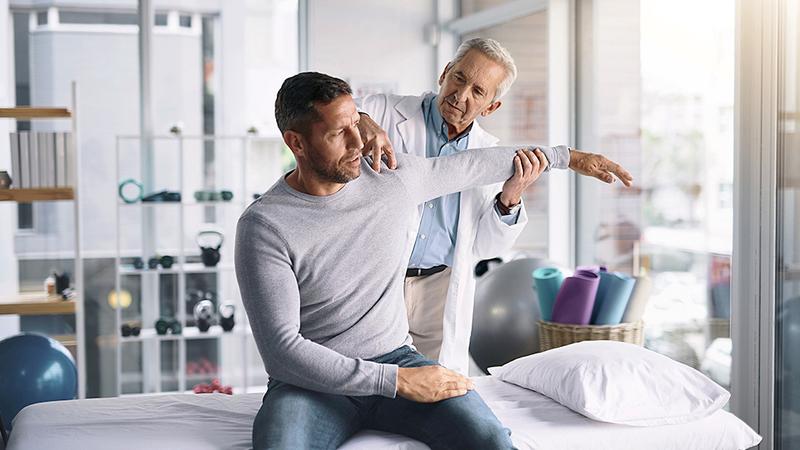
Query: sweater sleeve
[271, 297]
[429, 178]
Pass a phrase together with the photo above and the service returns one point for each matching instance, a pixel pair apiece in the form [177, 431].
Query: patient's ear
[491, 108]
[295, 142]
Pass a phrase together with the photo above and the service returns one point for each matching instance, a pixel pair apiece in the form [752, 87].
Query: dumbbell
[170, 324]
[130, 329]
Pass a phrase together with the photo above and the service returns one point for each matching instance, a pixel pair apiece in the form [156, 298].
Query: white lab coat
[481, 233]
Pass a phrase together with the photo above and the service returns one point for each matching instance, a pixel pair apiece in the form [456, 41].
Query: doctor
[456, 231]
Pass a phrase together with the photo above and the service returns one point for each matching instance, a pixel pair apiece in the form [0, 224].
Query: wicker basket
[553, 335]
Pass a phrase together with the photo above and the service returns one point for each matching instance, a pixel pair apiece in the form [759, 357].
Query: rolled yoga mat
[595, 269]
[547, 281]
[639, 298]
[613, 294]
[575, 299]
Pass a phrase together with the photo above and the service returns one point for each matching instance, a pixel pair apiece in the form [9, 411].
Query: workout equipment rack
[148, 362]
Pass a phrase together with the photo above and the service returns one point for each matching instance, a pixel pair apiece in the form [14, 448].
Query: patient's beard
[334, 174]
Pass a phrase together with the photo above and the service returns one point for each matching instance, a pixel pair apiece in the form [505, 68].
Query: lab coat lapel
[412, 128]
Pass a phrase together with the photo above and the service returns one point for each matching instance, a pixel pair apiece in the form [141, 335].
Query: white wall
[368, 42]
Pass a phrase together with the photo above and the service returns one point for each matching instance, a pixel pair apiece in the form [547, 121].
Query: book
[61, 160]
[44, 140]
[24, 160]
[33, 155]
[16, 172]
[51, 159]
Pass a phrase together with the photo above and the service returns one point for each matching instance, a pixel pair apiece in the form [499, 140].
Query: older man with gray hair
[454, 232]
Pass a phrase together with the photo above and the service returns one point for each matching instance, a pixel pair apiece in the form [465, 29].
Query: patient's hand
[430, 384]
[598, 166]
[376, 142]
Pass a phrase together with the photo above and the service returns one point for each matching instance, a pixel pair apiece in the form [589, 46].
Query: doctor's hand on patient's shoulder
[376, 142]
[598, 166]
[431, 384]
[528, 166]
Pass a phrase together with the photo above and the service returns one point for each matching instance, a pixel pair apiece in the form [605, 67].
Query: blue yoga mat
[612, 298]
[547, 281]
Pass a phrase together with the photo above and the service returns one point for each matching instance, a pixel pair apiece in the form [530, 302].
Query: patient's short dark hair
[294, 106]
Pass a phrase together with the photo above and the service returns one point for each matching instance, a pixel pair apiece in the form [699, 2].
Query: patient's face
[334, 152]
[467, 89]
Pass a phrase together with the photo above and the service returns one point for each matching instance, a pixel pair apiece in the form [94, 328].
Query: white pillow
[618, 383]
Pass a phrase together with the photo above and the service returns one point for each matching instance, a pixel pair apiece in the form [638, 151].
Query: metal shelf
[189, 333]
[176, 268]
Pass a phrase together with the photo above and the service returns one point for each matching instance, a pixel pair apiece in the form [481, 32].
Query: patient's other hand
[598, 166]
[430, 384]
[376, 142]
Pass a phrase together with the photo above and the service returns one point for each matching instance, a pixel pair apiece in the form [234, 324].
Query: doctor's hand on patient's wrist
[598, 166]
[376, 143]
[430, 384]
[528, 167]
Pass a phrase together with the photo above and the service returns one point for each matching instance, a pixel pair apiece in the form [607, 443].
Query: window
[655, 93]
[523, 116]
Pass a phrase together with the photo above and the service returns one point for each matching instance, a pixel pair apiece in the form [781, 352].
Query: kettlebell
[209, 255]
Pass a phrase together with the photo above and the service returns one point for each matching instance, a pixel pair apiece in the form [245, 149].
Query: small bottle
[50, 285]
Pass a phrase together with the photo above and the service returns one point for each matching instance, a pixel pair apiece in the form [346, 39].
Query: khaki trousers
[425, 299]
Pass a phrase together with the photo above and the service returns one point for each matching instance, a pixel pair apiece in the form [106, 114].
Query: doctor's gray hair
[496, 53]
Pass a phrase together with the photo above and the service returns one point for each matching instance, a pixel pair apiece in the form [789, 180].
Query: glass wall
[787, 331]
[655, 93]
[523, 116]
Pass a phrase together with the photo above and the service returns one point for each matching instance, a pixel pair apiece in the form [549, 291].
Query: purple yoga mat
[595, 269]
[575, 299]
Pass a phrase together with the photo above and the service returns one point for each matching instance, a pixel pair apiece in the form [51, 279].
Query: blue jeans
[296, 418]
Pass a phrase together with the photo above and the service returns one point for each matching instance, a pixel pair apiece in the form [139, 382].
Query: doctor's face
[467, 89]
[333, 144]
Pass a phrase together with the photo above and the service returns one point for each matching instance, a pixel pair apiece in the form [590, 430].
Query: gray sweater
[321, 277]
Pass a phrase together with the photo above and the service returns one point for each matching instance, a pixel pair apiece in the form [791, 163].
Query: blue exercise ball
[505, 321]
[34, 369]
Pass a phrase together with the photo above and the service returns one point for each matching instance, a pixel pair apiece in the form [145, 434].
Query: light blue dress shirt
[436, 238]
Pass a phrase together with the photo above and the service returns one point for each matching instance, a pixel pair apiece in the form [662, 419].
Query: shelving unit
[36, 304]
[32, 304]
[232, 349]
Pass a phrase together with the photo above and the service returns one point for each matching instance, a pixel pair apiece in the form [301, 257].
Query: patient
[320, 264]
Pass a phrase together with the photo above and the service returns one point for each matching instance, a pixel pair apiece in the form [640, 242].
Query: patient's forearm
[429, 178]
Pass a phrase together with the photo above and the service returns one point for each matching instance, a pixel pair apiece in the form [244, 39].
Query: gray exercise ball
[506, 315]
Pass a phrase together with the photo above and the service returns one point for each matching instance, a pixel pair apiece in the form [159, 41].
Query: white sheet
[216, 421]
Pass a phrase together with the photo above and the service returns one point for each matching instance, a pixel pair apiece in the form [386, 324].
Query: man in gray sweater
[320, 261]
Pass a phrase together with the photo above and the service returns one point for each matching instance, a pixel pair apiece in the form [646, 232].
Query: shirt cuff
[510, 219]
[557, 157]
[388, 380]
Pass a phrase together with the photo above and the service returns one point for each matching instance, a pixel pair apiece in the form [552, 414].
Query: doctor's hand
[598, 166]
[376, 142]
[431, 384]
[528, 166]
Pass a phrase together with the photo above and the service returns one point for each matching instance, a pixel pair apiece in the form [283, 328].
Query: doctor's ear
[444, 72]
[491, 108]
[295, 142]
